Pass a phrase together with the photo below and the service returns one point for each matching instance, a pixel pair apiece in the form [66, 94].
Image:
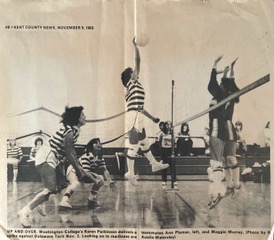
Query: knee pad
[132, 152]
[133, 136]
[46, 192]
[235, 166]
[214, 164]
[100, 178]
[216, 172]
[144, 145]
[142, 135]
[232, 161]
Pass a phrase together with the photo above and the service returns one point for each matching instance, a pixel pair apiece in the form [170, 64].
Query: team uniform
[218, 137]
[135, 99]
[94, 165]
[230, 163]
[48, 160]
[13, 156]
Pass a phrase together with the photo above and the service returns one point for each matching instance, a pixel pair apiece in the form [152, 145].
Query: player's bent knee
[46, 192]
[232, 161]
[142, 135]
[215, 164]
[74, 185]
[100, 178]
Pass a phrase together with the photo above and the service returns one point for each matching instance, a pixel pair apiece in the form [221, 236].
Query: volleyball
[142, 39]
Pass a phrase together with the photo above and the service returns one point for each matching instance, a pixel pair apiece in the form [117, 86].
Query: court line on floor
[193, 211]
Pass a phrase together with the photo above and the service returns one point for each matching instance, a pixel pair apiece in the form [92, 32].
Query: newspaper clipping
[136, 119]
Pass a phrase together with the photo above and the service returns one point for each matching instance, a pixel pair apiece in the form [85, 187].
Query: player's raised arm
[213, 86]
[136, 71]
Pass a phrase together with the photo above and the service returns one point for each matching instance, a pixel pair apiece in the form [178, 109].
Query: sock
[130, 166]
[236, 176]
[228, 177]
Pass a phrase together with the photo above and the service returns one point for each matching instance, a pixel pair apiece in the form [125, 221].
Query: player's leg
[216, 175]
[131, 156]
[164, 157]
[48, 176]
[15, 171]
[235, 170]
[227, 170]
[145, 145]
[92, 198]
[145, 148]
[73, 184]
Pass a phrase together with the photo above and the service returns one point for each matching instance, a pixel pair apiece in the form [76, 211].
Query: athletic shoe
[132, 178]
[175, 185]
[157, 166]
[229, 191]
[213, 203]
[24, 217]
[236, 192]
[41, 209]
[65, 204]
[93, 203]
[164, 185]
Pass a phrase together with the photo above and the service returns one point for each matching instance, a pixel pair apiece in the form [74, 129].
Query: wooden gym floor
[147, 206]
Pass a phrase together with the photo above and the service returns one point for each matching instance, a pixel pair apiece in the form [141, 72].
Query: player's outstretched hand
[134, 41]
[218, 59]
[233, 63]
[112, 186]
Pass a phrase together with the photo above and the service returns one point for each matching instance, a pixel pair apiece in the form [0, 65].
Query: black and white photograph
[136, 119]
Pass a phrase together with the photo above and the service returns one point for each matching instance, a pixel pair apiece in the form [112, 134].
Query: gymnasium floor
[147, 206]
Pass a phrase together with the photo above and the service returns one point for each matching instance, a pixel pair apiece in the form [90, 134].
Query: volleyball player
[135, 100]
[218, 136]
[48, 159]
[93, 163]
[231, 166]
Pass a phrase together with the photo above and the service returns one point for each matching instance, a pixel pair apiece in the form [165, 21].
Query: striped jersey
[91, 163]
[15, 152]
[135, 96]
[57, 140]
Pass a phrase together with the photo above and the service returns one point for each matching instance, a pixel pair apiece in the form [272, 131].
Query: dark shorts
[216, 148]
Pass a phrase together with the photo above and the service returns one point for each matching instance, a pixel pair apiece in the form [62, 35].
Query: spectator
[241, 144]
[14, 155]
[184, 142]
[156, 146]
[37, 144]
[166, 151]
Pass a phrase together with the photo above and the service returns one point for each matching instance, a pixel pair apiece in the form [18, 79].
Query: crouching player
[92, 163]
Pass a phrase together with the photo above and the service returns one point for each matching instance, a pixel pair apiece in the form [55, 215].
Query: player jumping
[135, 99]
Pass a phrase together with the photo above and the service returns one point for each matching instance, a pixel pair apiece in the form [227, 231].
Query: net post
[172, 160]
